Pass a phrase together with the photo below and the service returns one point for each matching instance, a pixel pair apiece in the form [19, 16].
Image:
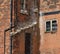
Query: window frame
[56, 23]
[51, 25]
[45, 25]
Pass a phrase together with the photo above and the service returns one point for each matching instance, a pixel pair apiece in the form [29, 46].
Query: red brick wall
[49, 5]
[19, 42]
[51, 41]
[4, 21]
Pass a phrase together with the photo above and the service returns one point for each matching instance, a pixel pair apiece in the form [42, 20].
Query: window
[48, 26]
[23, 6]
[51, 26]
[54, 25]
[35, 5]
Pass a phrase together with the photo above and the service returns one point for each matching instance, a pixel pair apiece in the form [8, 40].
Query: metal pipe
[10, 44]
[11, 4]
[5, 37]
[11, 7]
[4, 40]
[9, 29]
[11, 14]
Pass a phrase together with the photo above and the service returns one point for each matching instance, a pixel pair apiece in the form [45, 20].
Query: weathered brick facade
[21, 22]
[19, 42]
[25, 24]
[4, 22]
[50, 41]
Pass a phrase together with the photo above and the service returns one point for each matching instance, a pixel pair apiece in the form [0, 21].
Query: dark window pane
[54, 28]
[26, 6]
[48, 26]
[54, 21]
[22, 3]
[47, 29]
[54, 25]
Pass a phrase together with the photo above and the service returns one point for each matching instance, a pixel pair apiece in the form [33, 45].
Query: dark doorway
[27, 43]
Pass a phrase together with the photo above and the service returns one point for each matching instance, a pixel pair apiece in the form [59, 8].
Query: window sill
[24, 12]
[53, 31]
[50, 31]
[47, 31]
[35, 10]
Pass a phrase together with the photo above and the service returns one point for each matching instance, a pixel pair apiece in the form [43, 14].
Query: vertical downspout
[11, 5]
[4, 40]
[11, 15]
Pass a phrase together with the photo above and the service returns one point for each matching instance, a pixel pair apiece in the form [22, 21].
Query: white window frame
[50, 25]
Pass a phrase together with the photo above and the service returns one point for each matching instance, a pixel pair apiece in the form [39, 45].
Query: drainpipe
[11, 8]
[4, 40]
[8, 29]
[11, 5]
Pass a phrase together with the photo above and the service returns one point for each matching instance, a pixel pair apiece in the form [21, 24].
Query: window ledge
[24, 12]
[50, 31]
[36, 10]
[53, 31]
[47, 31]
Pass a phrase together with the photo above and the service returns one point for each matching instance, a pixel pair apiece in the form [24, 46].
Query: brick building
[23, 17]
[25, 27]
[4, 21]
[50, 35]
[26, 34]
